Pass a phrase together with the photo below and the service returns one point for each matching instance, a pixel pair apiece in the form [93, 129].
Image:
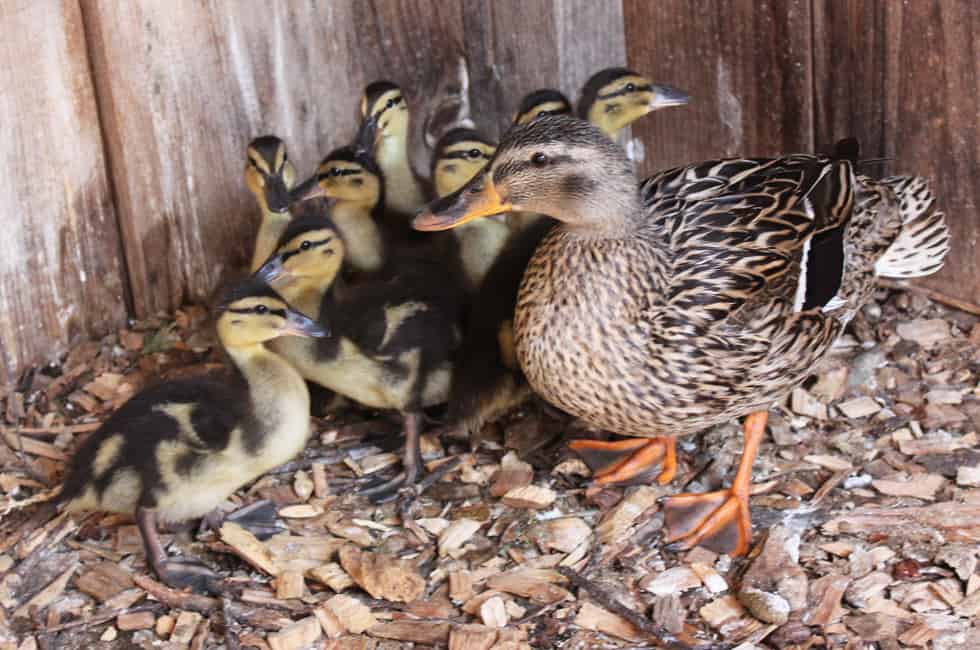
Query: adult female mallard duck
[705, 294]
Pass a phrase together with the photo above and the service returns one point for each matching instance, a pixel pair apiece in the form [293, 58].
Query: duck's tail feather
[923, 242]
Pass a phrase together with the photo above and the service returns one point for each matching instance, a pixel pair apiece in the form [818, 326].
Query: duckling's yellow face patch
[544, 108]
[391, 113]
[252, 320]
[458, 163]
[312, 255]
[628, 98]
[348, 181]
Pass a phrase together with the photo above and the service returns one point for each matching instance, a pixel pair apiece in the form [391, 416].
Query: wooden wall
[123, 170]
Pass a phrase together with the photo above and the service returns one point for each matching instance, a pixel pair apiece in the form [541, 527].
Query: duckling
[546, 101]
[269, 176]
[383, 102]
[460, 154]
[487, 381]
[178, 449]
[393, 339]
[700, 295]
[614, 98]
[352, 178]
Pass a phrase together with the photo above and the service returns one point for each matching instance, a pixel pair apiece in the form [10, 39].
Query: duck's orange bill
[472, 201]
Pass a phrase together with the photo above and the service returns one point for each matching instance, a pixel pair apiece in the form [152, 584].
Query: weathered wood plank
[902, 77]
[516, 47]
[60, 269]
[747, 66]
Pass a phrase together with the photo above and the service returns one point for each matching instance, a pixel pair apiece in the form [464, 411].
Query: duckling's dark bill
[468, 203]
[299, 325]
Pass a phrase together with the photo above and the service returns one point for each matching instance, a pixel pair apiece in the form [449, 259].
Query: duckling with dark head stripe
[178, 449]
[459, 156]
[269, 176]
[392, 342]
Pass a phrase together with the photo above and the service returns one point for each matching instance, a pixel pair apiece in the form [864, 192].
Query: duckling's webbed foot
[259, 518]
[411, 464]
[178, 573]
[184, 572]
[632, 460]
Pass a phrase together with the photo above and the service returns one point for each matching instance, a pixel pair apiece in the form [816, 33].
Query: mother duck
[703, 294]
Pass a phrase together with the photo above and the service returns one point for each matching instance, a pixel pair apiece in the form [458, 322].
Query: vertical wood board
[61, 274]
[746, 65]
[903, 79]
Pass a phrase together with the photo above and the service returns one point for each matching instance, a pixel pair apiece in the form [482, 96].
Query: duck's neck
[362, 237]
[616, 215]
[403, 194]
[270, 229]
[272, 381]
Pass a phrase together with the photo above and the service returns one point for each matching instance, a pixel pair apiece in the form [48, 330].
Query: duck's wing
[742, 230]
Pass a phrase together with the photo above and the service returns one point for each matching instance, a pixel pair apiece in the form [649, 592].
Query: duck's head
[347, 175]
[269, 174]
[459, 156]
[383, 102]
[310, 252]
[546, 101]
[616, 97]
[557, 165]
[252, 313]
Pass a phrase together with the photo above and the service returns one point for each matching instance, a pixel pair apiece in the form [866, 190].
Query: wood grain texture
[747, 66]
[516, 47]
[902, 78]
[60, 269]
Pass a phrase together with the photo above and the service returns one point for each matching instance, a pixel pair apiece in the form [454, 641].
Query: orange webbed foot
[629, 460]
[719, 521]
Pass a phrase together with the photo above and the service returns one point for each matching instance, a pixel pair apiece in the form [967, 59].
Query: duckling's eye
[475, 153]
[306, 245]
[335, 171]
[539, 159]
[261, 309]
[630, 87]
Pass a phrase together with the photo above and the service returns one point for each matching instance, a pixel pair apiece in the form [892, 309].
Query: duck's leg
[411, 462]
[719, 521]
[629, 459]
[176, 572]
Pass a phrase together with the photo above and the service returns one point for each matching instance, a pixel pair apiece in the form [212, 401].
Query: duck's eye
[305, 246]
[261, 309]
[335, 171]
[539, 159]
[390, 103]
[475, 153]
[630, 87]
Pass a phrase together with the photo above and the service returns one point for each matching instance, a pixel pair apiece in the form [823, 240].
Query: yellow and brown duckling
[269, 176]
[353, 180]
[705, 293]
[459, 156]
[178, 449]
[614, 98]
[384, 104]
[392, 341]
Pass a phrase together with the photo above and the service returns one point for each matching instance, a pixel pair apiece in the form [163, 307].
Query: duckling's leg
[411, 462]
[176, 572]
[612, 462]
[719, 521]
